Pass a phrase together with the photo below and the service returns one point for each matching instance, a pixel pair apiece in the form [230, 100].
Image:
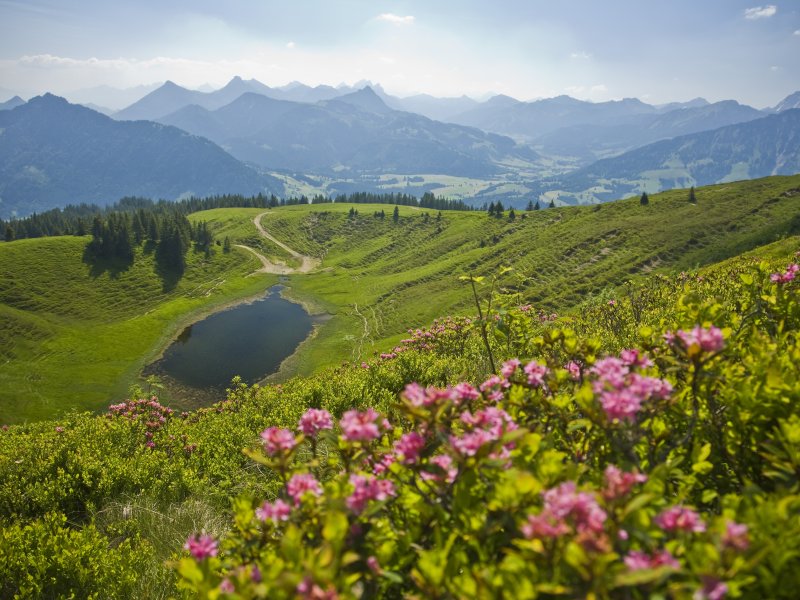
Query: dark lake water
[249, 340]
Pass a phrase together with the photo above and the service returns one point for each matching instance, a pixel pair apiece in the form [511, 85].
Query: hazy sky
[658, 51]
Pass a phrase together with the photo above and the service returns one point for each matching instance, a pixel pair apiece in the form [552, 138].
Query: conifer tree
[530, 206]
[512, 215]
[692, 197]
[644, 200]
[9, 233]
[536, 206]
[552, 204]
[396, 214]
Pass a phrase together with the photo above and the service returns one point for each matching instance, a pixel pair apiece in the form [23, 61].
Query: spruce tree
[552, 204]
[692, 197]
[644, 200]
[9, 233]
[529, 208]
[396, 214]
[512, 215]
[536, 206]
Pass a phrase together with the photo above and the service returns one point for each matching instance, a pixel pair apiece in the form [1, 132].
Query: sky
[658, 51]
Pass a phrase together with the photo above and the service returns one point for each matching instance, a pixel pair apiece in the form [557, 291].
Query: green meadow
[75, 335]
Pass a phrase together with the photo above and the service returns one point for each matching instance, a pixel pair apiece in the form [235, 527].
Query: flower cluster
[697, 341]
[149, 412]
[366, 489]
[788, 275]
[680, 519]
[277, 441]
[201, 547]
[623, 391]
[565, 511]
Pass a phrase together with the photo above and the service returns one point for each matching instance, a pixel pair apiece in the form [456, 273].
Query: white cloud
[797, 31]
[580, 55]
[760, 12]
[396, 19]
[774, 68]
[291, 45]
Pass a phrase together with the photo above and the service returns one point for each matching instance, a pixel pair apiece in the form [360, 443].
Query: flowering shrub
[667, 469]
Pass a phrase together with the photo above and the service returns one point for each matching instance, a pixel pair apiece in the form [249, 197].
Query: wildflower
[678, 518]
[566, 509]
[301, 484]
[637, 561]
[469, 443]
[59, 430]
[277, 440]
[373, 565]
[787, 276]
[510, 367]
[308, 590]
[735, 536]
[535, 373]
[408, 447]
[359, 426]
[493, 387]
[368, 488]
[464, 392]
[612, 302]
[444, 463]
[574, 370]
[713, 589]
[255, 574]
[314, 421]
[698, 340]
[275, 511]
[201, 547]
[634, 358]
[226, 587]
[620, 483]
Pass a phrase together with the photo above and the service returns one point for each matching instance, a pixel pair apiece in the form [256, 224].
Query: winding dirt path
[307, 263]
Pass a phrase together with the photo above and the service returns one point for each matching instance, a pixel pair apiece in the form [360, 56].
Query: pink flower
[787, 276]
[637, 561]
[445, 463]
[612, 302]
[277, 441]
[705, 340]
[314, 421]
[574, 370]
[201, 547]
[713, 589]
[735, 536]
[226, 587]
[678, 518]
[622, 405]
[59, 430]
[408, 447]
[301, 484]
[493, 388]
[368, 488]
[620, 483]
[510, 367]
[275, 512]
[360, 426]
[535, 373]
[633, 358]
[566, 509]
[469, 443]
[373, 565]
[308, 590]
[464, 392]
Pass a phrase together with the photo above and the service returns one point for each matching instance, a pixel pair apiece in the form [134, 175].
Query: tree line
[78, 219]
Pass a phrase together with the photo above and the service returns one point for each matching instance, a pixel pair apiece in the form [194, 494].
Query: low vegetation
[644, 446]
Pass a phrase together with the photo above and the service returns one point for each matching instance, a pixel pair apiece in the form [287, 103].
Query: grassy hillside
[377, 279]
[75, 335]
[96, 506]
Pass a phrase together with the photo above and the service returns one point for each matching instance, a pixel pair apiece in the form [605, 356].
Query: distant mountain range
[348, 138]
[766, 146]
[53, 153]
[354, 133]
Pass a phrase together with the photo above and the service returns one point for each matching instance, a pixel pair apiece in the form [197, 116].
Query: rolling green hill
[377, 278]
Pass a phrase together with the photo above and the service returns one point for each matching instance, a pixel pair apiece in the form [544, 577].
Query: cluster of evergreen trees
[170, 234]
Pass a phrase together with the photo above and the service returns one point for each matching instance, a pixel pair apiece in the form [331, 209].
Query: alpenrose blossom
[620, 483]
[704, 340]
[445, 463]
[736, 536]
[201, 547]
[786, 276]
[368, 488]
[713, 589]
[408, 447]
[277, 441]
[567, 510]
[301, 484]
[275, 511]
[535, 373]
[622, 391]
[314, 421]
[637, 561]
[679, 518]
[360, 426]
